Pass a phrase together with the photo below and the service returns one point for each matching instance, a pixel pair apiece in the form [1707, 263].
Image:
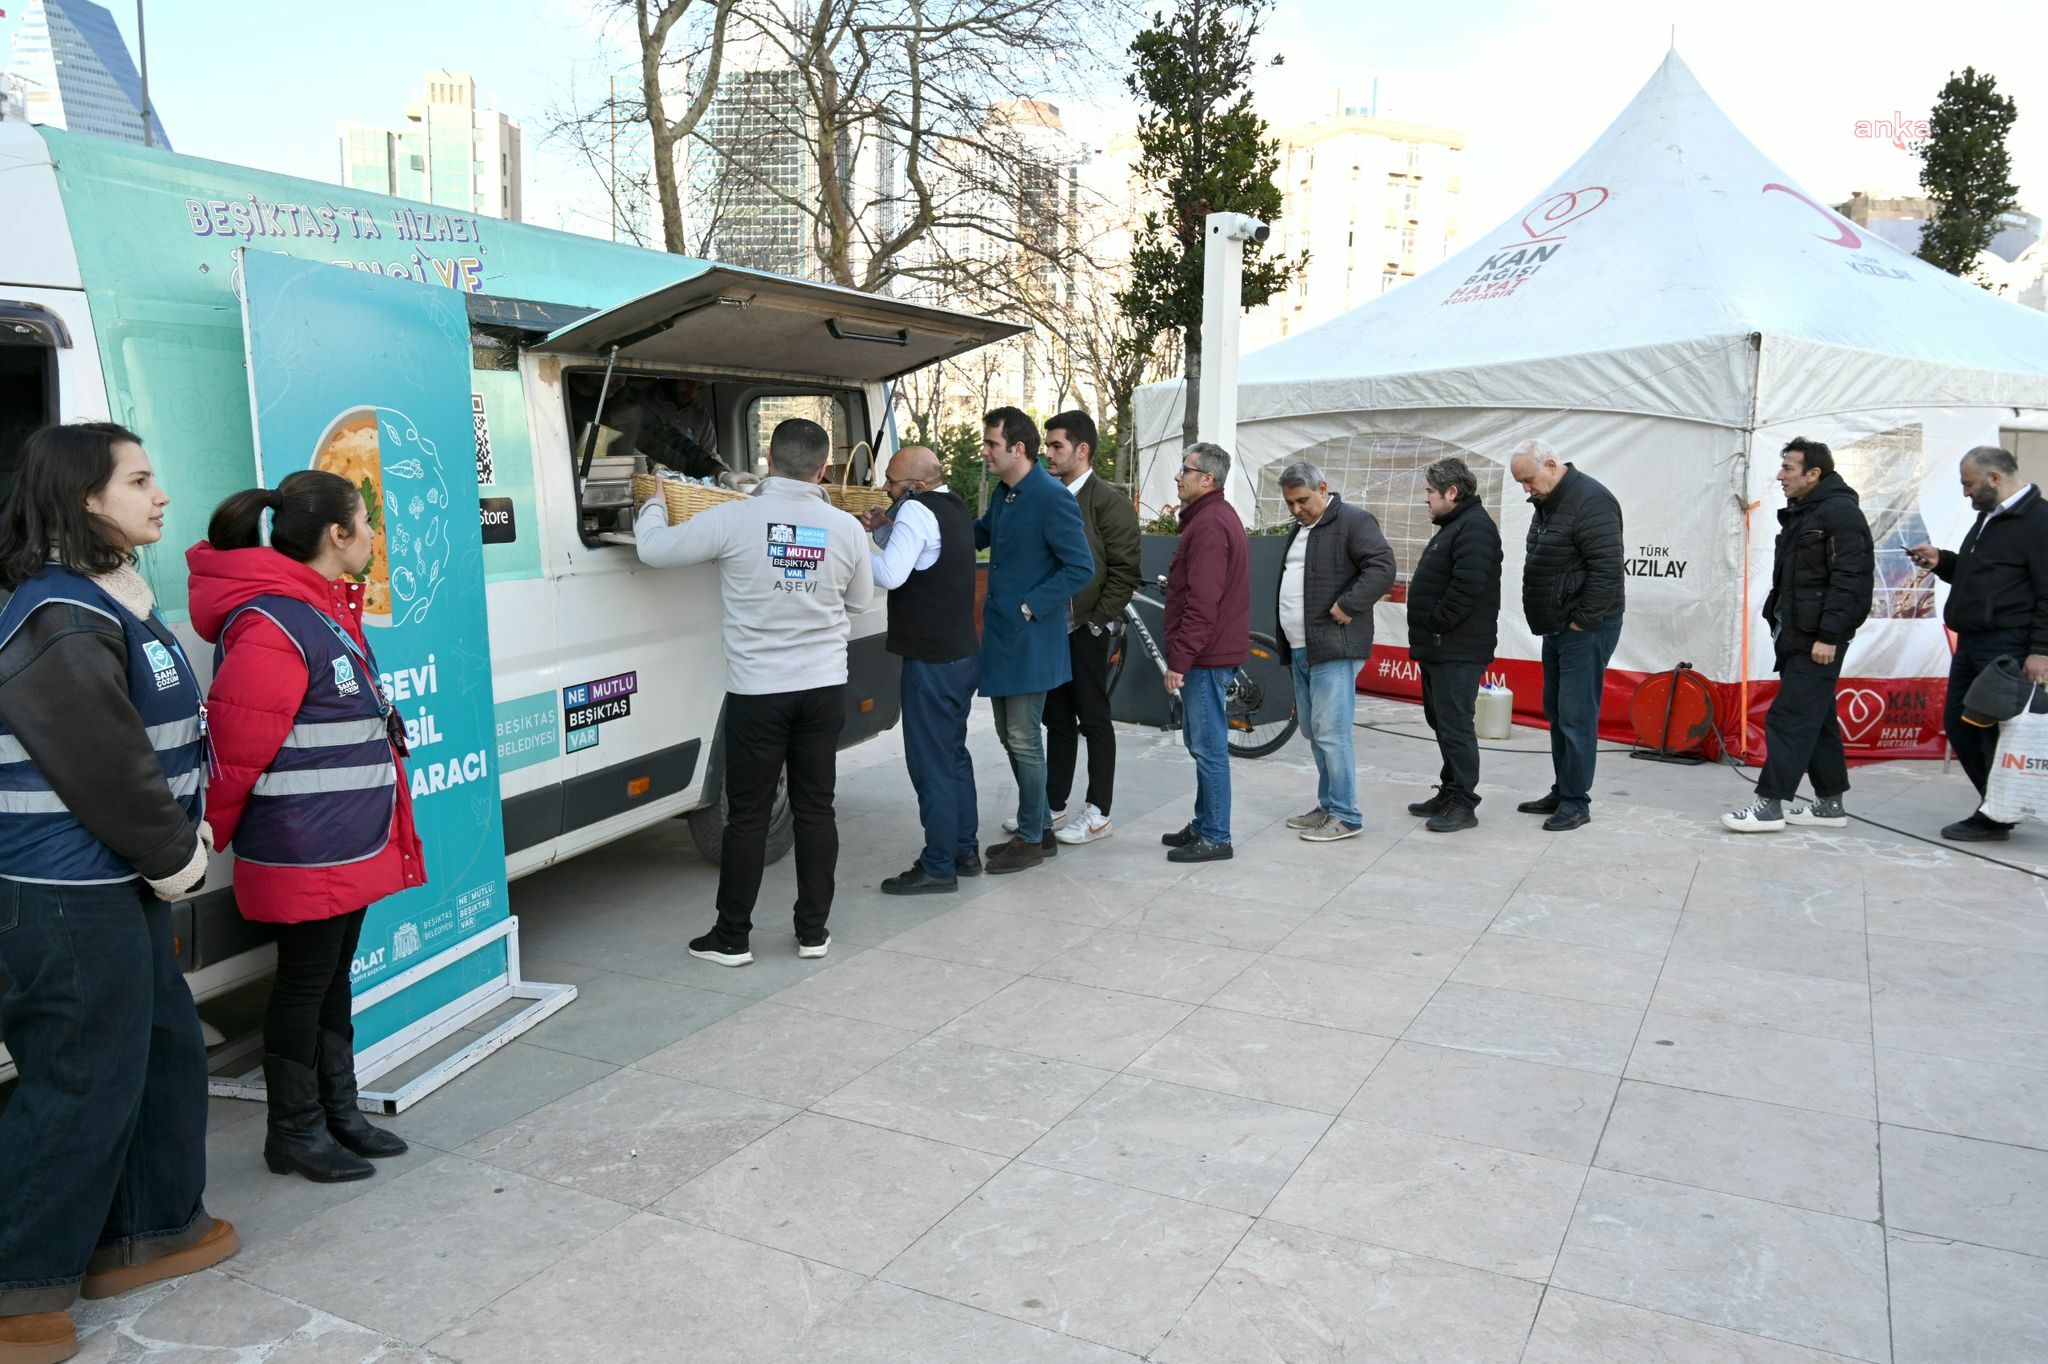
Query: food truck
[122, 297]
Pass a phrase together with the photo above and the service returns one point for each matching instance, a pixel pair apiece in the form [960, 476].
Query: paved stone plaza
[1647, 1093]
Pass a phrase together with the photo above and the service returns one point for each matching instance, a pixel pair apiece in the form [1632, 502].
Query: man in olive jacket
[1453, 629]
[1337, 565]
[1572, 595]
[1822, 573]
[1080, 709]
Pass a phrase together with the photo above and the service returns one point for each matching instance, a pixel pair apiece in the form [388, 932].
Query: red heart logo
[1860, 710]
[1549, 218]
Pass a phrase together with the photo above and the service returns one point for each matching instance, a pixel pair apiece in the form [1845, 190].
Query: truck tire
[707, 826]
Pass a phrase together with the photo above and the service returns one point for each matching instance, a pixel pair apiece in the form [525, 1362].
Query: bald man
[926, 562]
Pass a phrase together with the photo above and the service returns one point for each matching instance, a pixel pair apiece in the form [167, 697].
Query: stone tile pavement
[1644, 1092]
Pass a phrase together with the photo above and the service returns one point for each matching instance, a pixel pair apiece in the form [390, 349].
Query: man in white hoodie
[791, 567]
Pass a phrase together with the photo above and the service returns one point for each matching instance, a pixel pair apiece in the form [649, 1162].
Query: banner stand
[425, 1034]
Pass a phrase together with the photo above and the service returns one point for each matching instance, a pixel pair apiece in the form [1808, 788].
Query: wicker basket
[852, 497]
[682, 499]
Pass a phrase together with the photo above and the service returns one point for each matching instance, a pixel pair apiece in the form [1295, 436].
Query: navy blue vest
[330, 796]
[40, 839]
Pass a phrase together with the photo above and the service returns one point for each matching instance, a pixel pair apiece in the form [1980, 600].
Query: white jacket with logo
[791, 566]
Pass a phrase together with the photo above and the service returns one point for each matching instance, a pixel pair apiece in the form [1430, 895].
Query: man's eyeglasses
[1187, 469]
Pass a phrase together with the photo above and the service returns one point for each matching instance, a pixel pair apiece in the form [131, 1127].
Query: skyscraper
[449, 152]
[73, 71]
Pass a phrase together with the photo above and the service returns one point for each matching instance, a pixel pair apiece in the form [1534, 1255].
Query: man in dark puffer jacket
[1453, 628]
[1572, 595]
[1821, 580]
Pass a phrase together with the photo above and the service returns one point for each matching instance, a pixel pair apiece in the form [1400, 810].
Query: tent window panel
[1383, 474]
[1886, 470]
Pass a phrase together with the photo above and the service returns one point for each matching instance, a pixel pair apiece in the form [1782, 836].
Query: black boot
[345, 1122]
[1435, 805]
[298, 1140]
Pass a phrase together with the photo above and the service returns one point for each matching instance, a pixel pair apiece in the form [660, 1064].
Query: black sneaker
[1181, 838]
[710, 948]
[1978, 828]
[1564, 821]
[967, 865]
[1435, 805]
[816, 948]
[1455, 816]
[917, 881]
[1201, 850]
[1542, 805]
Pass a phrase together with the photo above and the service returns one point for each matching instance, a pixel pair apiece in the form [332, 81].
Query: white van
[118, 302]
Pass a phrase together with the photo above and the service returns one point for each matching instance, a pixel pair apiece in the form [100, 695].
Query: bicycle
[1258, 707]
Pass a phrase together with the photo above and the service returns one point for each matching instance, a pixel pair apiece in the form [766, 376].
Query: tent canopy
[1672, 270]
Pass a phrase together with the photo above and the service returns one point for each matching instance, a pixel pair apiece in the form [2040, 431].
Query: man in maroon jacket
[1208, 631]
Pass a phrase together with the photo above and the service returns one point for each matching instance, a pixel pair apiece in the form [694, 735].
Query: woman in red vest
[308, 788]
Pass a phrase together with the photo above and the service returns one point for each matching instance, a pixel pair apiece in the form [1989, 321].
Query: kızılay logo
[1512, 265]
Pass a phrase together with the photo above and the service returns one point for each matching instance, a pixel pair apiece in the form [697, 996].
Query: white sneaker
[1761, 816]
[815, 949]
[1086, 826]
[1052, 821]
[1826, 814]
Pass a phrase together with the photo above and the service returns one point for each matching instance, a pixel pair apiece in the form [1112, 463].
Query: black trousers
[311, 989]
[1450, 695]
[1803, 733]
[1079, 710]
[1975, 748]
[794, 732]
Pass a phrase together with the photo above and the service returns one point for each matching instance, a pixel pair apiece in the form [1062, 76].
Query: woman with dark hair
[102, 734]
[307, 787]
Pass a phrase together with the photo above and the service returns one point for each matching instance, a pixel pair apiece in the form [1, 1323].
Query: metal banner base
[429, 1032]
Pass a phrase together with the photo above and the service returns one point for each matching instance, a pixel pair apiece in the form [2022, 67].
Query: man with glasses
[1208, 633]
[926, 563]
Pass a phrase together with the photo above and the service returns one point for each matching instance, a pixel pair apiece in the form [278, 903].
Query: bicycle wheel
[1258, 709]
[1119, 651]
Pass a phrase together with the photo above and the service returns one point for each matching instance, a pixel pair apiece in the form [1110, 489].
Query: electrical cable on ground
[1729, 761]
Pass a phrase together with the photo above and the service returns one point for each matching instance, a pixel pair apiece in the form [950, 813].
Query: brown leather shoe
[1016, 855]
[38, 1338]
[208, 1251]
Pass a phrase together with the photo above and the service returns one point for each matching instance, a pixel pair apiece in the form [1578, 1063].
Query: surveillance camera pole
[1222, 307]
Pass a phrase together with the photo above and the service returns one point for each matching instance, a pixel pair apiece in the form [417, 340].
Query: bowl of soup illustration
[350, 447]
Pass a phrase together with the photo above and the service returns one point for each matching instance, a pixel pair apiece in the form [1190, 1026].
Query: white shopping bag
[2018, 784]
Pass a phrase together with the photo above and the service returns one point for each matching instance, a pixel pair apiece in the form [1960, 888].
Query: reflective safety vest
[40, 839]
[330, 796]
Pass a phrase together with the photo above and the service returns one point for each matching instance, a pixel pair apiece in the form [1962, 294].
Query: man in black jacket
[1572, 596]
[1997, 606]
[1453, 626]
[1080, 709]
[1822, 573]
[1337, 565]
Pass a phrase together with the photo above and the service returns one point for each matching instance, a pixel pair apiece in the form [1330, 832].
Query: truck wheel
[707, 826]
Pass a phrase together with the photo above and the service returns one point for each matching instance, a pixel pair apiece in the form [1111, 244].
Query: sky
[1530, 82]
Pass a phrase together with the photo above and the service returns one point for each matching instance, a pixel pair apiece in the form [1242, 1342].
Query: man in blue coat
[1038, 559]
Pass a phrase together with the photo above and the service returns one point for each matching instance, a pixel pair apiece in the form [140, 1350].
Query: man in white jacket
[791, 567]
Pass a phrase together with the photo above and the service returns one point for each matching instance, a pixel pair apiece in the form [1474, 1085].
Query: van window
[28, 383]
[828, 410]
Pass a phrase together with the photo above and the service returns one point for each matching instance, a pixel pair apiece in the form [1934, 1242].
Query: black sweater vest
[931, 617]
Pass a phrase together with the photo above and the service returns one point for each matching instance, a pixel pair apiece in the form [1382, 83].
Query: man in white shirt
[791, 568]
[926, 563]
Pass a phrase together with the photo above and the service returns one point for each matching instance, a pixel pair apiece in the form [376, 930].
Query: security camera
[1238, 227]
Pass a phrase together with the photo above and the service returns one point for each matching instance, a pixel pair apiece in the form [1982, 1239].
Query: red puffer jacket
[259, 688]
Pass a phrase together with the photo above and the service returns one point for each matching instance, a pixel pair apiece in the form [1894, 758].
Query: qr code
[486, 472]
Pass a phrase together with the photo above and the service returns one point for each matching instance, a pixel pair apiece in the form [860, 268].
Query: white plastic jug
[1494, 717]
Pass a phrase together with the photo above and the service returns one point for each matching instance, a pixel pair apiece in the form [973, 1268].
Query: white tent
[1667, 313]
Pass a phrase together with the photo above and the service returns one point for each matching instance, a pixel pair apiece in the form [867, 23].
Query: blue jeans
[1020, 722]
[1203, 729]
[1326, 700]
[936, 699]
[103, 1148]
[1574, 673]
